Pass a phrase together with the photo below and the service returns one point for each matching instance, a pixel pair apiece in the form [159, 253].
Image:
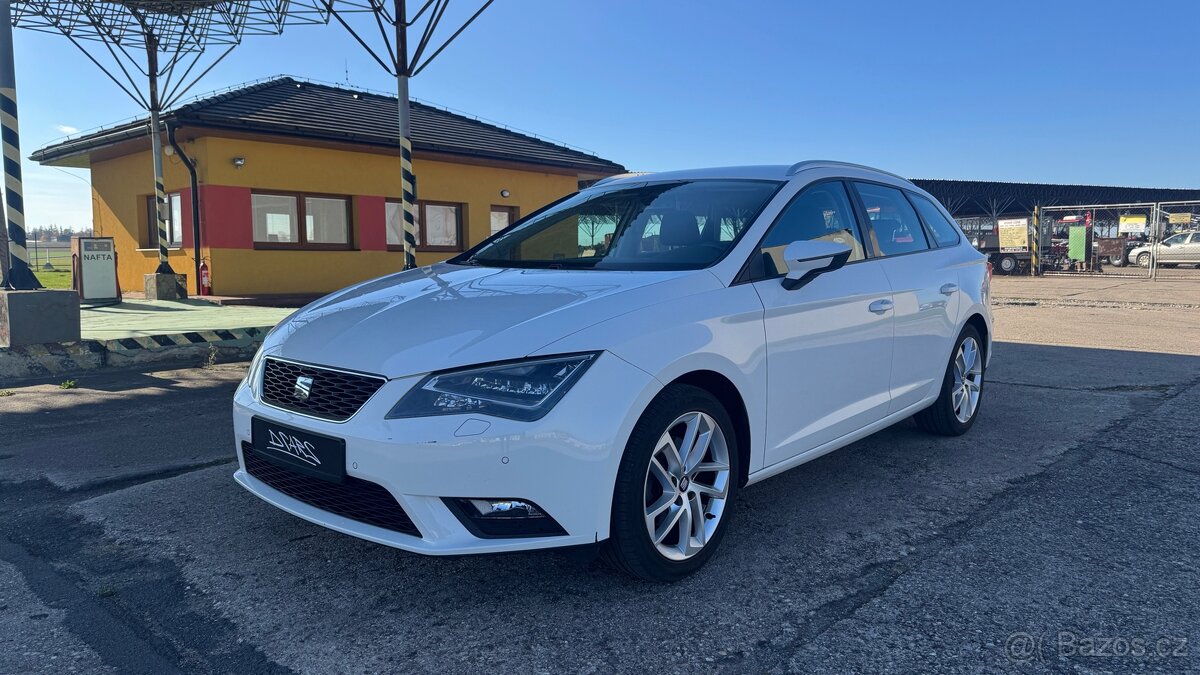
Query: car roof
[777, 172]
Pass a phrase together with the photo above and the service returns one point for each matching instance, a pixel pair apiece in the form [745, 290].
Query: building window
[277, 219]
[502, 217]
[174, 221]
[439, 226]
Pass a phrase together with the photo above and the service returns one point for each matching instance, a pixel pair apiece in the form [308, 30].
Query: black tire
[939, 418]
[1006, 264]
[629, 547]
[1143, 259]
[1116, 260]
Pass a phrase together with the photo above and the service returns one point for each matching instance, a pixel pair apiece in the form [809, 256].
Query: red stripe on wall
[226, 217]
[370, 215]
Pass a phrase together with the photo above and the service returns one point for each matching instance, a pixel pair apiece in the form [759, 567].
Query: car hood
[446, 316]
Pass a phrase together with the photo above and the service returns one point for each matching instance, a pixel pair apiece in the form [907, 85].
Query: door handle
[880, 306]
[948, 289]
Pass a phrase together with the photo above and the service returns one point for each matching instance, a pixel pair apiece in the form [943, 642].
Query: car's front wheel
[957, 406]
[673, 494]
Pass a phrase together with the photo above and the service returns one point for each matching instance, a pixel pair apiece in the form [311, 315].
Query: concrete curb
[181, 349]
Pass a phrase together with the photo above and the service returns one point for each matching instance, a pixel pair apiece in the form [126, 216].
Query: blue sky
[1058, 91]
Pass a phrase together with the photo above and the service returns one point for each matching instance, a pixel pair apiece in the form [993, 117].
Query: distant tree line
[53, 233]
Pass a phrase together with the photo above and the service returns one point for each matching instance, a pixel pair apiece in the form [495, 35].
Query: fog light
[499, 517]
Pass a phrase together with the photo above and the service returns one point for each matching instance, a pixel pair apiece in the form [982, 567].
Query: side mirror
[807, 260]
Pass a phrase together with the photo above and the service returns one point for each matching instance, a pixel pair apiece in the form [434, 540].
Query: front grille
[353, 498]
[335, 395]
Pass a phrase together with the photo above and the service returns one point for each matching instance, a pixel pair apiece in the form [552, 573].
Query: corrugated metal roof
[966, 198]
[318, 111]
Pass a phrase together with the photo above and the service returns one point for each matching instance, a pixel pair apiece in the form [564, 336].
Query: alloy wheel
[687, 485]
[968, 378]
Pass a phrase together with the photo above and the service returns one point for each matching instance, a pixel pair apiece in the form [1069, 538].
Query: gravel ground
[1060, 534]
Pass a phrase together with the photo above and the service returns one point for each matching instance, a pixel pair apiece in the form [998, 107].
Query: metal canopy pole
[398, 62]
[408, 195]
[160, 193]
[18, 275]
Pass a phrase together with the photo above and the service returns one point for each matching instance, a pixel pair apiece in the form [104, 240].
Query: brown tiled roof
[291, 107]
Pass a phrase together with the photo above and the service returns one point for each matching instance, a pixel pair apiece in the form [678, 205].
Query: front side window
[894, 227]
[651, 226]
[944, 232]
[277, 219]
[821, 212]
[444, 230]
[326, 220]
[502, 217]
[1175, 239]
[174, 221]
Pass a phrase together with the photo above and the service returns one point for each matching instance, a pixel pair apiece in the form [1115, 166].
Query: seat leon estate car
[615, 367]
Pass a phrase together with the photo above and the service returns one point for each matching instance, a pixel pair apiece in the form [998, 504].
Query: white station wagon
[615, 367]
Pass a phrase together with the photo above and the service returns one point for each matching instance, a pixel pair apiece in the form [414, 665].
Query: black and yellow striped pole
[408, 196]
[19, 276]
[160, 192]
[1034, 261]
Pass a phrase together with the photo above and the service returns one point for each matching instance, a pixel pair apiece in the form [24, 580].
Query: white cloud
[65, 129]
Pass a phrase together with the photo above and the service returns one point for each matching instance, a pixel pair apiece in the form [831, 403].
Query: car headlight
[521, 390]
[254, 373]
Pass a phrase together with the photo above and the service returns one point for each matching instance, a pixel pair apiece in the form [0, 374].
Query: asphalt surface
[1062, 533]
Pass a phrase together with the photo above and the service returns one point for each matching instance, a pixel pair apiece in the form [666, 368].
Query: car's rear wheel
[673, 495]
[957, 406]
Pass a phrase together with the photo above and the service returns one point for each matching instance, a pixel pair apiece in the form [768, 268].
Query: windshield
[649, 226]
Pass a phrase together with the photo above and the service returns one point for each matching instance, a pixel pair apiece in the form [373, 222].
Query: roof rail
[609, 179]
[827, 163]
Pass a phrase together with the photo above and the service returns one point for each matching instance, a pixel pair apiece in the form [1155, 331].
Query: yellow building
[298, 184]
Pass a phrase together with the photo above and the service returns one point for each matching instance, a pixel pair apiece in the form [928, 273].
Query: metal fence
[1175, 249]
[1152, 240]
[1095, 239]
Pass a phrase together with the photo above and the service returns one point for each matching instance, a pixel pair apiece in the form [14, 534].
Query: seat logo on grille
[303, 388]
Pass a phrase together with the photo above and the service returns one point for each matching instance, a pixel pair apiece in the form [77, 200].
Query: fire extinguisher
[205, 280]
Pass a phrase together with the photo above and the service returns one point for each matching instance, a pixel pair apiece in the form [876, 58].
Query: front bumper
[565, 462]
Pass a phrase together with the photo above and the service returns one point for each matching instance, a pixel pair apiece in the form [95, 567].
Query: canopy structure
[156, 50]
[145, 40]
[390, 49]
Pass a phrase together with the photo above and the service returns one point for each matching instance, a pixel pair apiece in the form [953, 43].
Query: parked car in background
[1181, 248]
[547, 389]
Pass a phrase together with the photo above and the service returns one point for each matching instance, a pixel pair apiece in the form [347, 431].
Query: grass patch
[68, 384]
[54, 279]
[7, 392]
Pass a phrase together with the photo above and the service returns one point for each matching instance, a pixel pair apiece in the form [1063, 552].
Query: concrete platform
[143, 318]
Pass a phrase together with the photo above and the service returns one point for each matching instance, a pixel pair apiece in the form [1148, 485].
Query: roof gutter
[195, 182]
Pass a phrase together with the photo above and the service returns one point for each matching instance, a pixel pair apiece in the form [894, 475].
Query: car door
[924, 283]
[828, 343]
[1172, 248]
[1191, 251]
